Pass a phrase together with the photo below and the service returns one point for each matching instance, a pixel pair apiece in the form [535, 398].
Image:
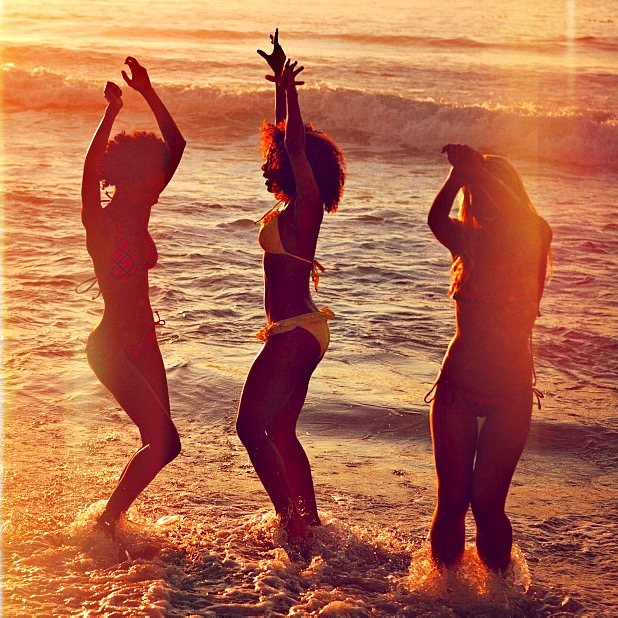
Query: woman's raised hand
[113, 94]
[139, 79]
[467, 162]
[276, 60]
[287, 79]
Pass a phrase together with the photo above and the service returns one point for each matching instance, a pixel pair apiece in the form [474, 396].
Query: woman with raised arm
[122, 348]
[500, 249]
[304, 169]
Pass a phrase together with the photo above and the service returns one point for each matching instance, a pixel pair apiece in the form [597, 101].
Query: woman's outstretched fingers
[139, 79]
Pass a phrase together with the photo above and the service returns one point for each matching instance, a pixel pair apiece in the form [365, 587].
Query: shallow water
[392, 86]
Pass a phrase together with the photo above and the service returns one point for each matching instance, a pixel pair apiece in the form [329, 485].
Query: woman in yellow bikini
[304, 169]
[122, 348]
[500, 249]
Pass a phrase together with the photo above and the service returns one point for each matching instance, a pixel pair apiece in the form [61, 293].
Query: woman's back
[497, 293]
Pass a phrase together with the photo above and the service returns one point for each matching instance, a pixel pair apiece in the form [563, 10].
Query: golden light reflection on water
[570, 37]
[55, 468]
[2, 331]
[471, 581]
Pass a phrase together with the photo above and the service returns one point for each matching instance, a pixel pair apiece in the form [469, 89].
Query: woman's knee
[248, 431]
[454, 502]
[173, 446]
[166, 443]
[242, 431]
[282, 433]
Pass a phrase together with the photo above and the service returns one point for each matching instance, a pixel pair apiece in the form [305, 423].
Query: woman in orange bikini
[304, 169]
[122, 348]
[500, 248]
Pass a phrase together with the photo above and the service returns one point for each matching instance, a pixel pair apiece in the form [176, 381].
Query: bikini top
[513, 290]
[512, 286]
[512, 276]
[270, 240]
[123, 263]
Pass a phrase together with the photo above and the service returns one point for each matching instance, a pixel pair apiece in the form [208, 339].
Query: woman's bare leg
[282, 431]
[501, 442]
[160, 440]
[454, 431]
[279, 373]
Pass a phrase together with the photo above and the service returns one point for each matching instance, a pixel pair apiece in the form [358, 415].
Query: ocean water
[392, 82]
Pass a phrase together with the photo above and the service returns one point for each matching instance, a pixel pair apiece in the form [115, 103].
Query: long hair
[462, 269]
[325, 158]
[130, 156]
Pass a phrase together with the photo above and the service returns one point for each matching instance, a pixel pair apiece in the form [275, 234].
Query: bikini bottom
[134, 351]
[472, 396]
[315, 322]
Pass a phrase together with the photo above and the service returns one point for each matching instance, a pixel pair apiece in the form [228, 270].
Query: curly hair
[325, 158]
[129, 156]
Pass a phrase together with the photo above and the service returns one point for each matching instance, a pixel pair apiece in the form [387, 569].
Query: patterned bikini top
[270, 240]
[123, 263]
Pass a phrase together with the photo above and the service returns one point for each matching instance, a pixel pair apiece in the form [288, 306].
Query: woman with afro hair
[304, 170]
[122, 348]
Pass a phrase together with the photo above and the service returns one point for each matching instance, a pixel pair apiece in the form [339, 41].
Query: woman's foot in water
[107, 523]
[307, 510]
[294, 525]
[299, 536]
[108, 526]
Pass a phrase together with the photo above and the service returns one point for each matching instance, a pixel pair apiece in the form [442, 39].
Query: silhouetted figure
[500, 249]
[122, 348]
[304, 169]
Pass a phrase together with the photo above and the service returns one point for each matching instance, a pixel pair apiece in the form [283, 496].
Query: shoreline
[375, 489]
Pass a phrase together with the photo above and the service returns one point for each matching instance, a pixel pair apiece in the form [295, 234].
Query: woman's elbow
[180, 146]
[433, 221]
[176, 150]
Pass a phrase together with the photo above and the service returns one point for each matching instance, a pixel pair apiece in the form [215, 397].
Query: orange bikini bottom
[315, 322]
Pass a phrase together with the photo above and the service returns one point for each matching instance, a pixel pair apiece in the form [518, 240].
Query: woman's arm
[448, 231]
[307, 190]
[276, 61]
[470, 165]
[174, 140]
[91, 183]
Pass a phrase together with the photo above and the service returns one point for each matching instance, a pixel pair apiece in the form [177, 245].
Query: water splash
[92, 570]
[470, 585]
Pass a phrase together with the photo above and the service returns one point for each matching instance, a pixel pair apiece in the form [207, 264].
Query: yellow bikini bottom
[315, 322]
